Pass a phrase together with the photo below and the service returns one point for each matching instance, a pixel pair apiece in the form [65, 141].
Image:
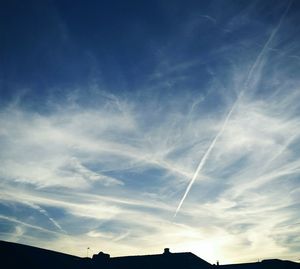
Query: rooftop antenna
[87, 251]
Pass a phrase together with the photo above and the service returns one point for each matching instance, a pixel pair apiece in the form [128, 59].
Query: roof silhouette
[14, 255]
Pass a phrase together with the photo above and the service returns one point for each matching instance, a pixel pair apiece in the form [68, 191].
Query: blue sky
[116, 115]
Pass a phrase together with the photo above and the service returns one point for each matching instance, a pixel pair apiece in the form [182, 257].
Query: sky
[131, 126]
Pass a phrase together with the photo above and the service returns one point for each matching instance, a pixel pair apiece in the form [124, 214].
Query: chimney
[167, 251]
[101, 257]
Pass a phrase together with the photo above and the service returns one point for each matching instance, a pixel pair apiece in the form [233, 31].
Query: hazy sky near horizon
[107, 109]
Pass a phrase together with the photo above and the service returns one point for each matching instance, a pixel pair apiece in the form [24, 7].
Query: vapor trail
[265, 47]
[205, 156]
[44, 212]
[245, 86]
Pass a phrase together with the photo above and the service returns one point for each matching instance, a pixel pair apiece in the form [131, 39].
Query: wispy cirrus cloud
[106, 169]
[255, 152]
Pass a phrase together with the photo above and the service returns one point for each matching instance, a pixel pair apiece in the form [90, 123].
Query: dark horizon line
[166, 251]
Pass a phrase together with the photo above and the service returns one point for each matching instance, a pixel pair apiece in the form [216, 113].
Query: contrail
[205, 156]
[44, 212]
[245, 86]
[265, 47]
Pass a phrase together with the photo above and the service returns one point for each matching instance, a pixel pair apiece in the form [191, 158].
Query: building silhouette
[17, 256]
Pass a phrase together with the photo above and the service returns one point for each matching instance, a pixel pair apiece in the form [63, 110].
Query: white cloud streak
[114, 171]
[244, 88]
